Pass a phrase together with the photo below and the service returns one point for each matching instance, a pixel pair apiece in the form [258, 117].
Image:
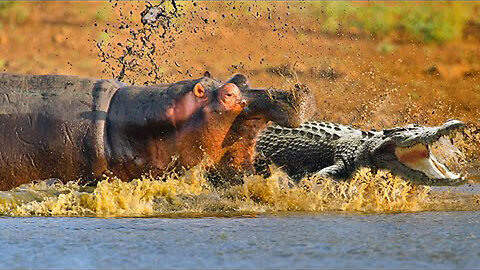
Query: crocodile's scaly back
[305, 149]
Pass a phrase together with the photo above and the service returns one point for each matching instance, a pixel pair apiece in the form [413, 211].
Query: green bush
[13, 11]
[6, 5]
[437, 23]
[422, 21]
[377, 19]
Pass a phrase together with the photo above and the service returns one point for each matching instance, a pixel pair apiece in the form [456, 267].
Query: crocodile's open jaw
[419, 157]
[407, 151]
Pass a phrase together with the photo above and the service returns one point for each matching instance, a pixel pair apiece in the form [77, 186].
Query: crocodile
[330, 150]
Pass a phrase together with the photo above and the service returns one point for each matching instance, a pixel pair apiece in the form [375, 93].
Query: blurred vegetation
[385, 47]
[430, 22]
[13, 12]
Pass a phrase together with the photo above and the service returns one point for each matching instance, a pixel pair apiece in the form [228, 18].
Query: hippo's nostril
[243, 103]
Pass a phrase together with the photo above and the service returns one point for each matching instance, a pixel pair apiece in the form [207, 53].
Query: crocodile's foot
[411, 156]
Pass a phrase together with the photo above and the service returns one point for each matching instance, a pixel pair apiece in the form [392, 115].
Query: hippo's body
[66, 127]
[52, 126]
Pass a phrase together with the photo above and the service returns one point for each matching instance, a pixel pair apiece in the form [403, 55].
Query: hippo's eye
[229, 94]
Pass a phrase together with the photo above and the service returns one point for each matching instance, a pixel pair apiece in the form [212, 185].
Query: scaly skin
[336, 151]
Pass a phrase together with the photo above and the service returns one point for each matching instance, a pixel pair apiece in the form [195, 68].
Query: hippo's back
[34, 93]
[49, 126]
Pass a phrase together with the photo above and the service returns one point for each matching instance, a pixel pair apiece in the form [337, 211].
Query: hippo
[70, 128]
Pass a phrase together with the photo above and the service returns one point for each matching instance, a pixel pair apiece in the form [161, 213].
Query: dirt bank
[359, 80]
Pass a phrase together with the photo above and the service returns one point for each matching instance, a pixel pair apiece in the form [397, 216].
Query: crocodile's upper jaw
[420, 158]
[406, 151]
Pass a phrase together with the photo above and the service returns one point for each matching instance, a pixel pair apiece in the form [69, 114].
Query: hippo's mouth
[419, 157]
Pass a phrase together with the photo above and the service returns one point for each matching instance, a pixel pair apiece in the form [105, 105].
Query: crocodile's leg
[261, 165]
[336, 171]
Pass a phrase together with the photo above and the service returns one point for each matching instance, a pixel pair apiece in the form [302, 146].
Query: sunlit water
[428, 239]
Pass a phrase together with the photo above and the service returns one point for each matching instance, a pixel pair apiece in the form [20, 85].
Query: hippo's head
[192, 97]
[261, 106]
[189, 119]
[284, 108]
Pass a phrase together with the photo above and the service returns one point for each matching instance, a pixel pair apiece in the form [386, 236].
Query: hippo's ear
[198, 90]
[240, 80]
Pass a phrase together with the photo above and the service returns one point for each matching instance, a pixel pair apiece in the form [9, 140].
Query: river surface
[294, 240]
[375, 220]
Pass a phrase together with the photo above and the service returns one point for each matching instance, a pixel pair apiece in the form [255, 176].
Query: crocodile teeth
[419, 158]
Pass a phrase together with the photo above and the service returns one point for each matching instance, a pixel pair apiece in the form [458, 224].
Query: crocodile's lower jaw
[420, 158]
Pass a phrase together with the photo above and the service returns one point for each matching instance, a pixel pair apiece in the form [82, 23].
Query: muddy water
[427, 240]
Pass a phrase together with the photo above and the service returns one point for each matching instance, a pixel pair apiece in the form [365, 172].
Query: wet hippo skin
[67, 127]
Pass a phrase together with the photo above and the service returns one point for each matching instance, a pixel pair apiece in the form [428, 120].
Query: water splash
[191, 196]
[461, 152]
[133, 46]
